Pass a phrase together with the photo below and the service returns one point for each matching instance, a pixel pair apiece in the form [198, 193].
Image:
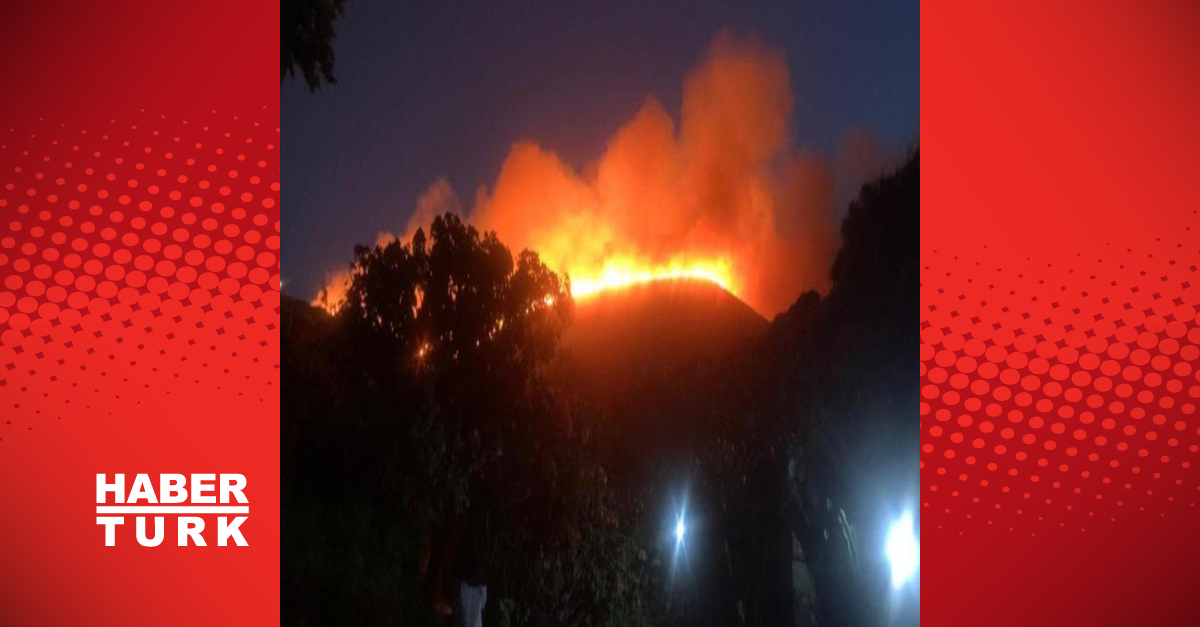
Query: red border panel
[139, 291]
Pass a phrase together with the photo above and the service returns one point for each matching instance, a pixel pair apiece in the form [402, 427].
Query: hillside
[624, 343]
[771, 430]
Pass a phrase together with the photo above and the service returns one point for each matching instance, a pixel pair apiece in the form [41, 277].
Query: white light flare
[903, 551]
[678, 528]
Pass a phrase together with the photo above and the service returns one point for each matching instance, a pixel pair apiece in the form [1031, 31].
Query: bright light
[678, 526]
[903, 551]
[623, 273]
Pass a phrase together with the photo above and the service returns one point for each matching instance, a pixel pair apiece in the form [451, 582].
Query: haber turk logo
[185, 499]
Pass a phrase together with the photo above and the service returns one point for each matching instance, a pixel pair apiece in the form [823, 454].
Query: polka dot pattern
[125, 272]
[1060, 396]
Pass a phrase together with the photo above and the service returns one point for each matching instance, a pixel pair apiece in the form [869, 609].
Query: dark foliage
[844, 382]
[438, 427]
[306, 36]
[424, 444]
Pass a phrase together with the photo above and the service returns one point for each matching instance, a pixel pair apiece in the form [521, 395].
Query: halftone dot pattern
[1060, 397]
[137, 255]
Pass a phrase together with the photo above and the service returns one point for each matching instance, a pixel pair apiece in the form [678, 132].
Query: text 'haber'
[188, 500]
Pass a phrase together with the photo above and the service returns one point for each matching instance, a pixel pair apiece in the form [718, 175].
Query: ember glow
[722, 195]
[333, 294]
[615, 274]
[620, 274]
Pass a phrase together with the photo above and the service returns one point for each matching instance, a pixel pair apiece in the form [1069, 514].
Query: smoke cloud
[725, 185]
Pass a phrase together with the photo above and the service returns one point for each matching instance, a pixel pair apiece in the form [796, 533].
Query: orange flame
[623, 273]
[720, 195]
[333, 295]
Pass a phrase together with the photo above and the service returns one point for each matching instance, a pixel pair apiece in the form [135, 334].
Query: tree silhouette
[424, 443]
[843, 385]
[306, 36]
[428, 433]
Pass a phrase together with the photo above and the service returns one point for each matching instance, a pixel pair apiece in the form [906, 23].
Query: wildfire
[333, 295]
[718, 194]
[621, 274]
[614, 274]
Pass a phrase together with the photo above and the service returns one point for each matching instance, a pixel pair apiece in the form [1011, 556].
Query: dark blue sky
[430, 89]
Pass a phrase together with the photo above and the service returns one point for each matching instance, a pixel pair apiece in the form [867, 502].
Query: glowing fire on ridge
[720, 193]
[614, 275]
[621, 274]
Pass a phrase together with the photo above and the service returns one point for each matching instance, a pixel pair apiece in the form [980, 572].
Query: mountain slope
[654, 362]
[624, 341]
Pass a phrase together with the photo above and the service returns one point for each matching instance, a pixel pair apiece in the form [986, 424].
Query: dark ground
[575, 454]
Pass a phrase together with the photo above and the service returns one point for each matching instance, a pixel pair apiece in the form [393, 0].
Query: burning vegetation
[721, 195]
[459, 420]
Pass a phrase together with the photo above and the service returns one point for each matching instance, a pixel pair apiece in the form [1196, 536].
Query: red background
[174, 369]
[1059, 221]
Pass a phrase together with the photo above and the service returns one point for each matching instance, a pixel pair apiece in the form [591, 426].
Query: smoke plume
[723, 186]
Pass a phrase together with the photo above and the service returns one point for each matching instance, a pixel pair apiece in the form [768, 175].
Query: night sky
[431, 89]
